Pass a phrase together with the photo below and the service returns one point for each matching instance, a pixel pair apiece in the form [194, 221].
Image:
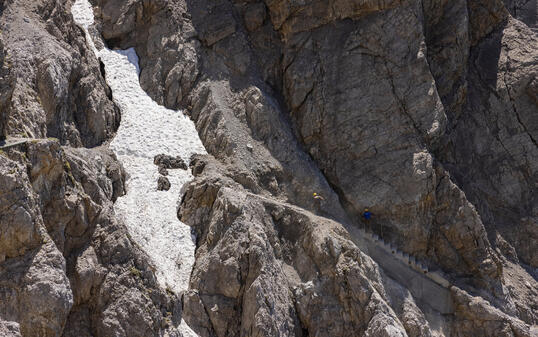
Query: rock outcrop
[524, 10]
[169, 162]
[35, 289]
[499, 112]
[52, 84]
[362, 102]
[267, 268]
[422, 111]
[67, 266]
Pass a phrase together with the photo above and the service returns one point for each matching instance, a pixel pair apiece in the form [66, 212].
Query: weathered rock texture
[67, 267]
[268, 268]
[524, 10]
[51, 82]
[422, 111]
[492, 145]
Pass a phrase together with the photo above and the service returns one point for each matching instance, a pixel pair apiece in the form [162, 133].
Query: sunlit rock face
[194, 213]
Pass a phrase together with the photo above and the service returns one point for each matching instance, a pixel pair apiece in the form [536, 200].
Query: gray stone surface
[52, 85]
[429, 288]
[67, 267]
[524, 10]
[10, 329]
[292, 271]
[169, 162]
[362, 102]
[163, 184]
[492, 147]
[424, 112]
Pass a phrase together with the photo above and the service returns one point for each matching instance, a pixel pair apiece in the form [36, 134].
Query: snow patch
[82, 13]
[146, 130]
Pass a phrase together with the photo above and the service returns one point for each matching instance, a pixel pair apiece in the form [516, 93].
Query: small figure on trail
[318, 200]
[367, 215]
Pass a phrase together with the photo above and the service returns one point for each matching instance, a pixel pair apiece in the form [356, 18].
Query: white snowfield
[148, 129]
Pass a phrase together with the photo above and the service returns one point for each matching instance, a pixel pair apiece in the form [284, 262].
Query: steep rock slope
[68, 267]
[364, 102]
[51, 84]
[267, 268]
[524, 10]
[423, 111]
[492, 144]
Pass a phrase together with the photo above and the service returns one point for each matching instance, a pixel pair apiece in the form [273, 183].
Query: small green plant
[136, 272]
[67, 168]
[169, 291]
[72, 179]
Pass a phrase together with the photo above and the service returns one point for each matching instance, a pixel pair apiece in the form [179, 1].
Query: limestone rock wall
[67, 266]
[267, 268]
[364, 104]
[371, 105]
[51, 82]
[422, 111]
[524, 10]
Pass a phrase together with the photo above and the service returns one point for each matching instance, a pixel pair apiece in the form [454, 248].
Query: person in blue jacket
[367, 215]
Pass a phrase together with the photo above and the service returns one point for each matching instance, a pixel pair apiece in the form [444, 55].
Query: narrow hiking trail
[146, 130]
[427, 287]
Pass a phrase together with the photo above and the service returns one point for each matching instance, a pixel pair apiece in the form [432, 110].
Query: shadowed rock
[169, 162]
[423, 111]
[163, 184]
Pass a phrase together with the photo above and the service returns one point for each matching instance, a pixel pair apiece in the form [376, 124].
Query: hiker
[367, 215]
[318, 200]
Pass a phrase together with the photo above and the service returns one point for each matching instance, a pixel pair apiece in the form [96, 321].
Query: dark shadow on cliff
[271, 124]
[479, 148]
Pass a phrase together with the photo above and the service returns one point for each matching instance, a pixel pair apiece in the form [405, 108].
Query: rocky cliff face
[523, 10]
[67, 266]
[51, 84]
[425, 112]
